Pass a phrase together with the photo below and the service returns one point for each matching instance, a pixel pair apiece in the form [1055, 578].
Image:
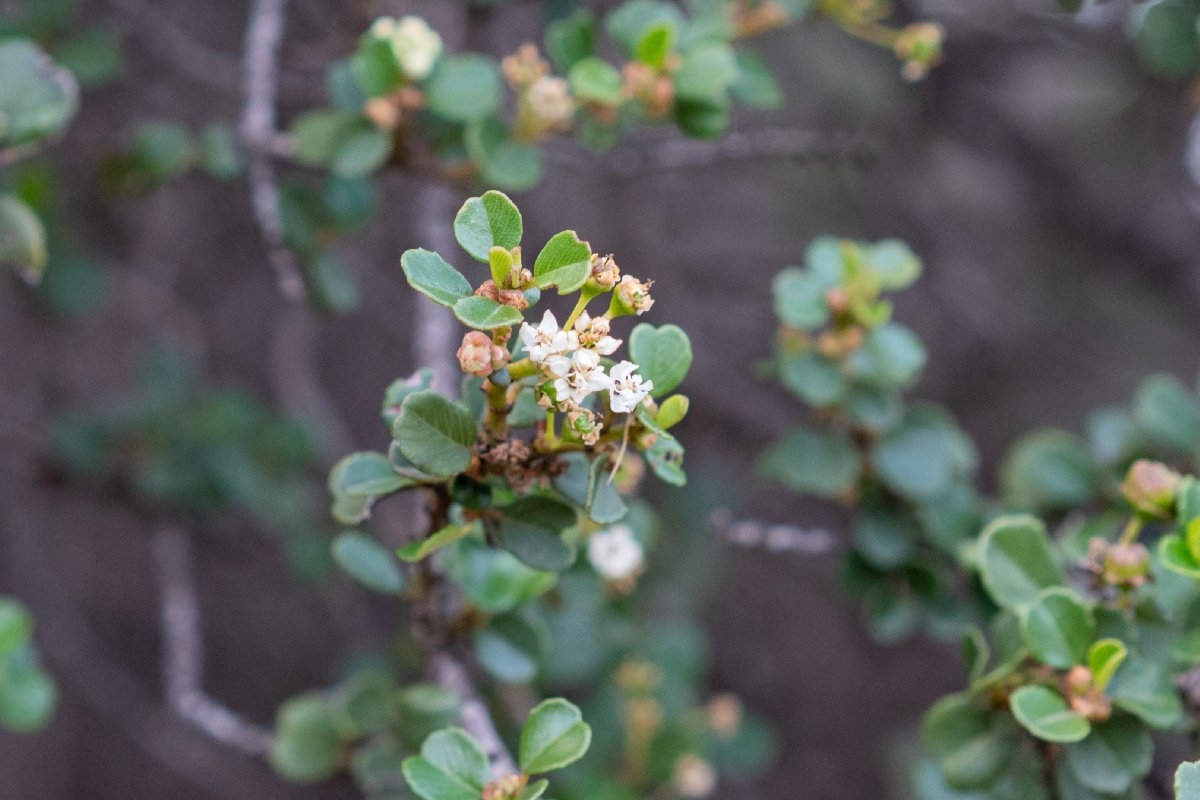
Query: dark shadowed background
[1038, 172]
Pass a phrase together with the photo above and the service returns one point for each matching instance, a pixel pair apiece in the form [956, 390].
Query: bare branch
[183, 658]
[165, 39]
[263, 36]
[475, 717]
[774, 538]
[672, 154]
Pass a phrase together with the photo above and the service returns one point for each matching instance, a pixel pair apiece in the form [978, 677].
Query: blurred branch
[263, 35]
[434, 346]
[669, 155]
[752, 534]
[183, 660]
[167, 40]
[476, 720]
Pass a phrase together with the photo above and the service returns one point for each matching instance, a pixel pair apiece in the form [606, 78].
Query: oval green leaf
[554, 736]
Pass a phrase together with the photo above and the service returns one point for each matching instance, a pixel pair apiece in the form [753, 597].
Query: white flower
[616, 553]
[593, 333]
[627, 390]
[415, 44]
[577, 377]
[547, 339]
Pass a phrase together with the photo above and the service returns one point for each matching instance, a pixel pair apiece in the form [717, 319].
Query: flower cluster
[415, 45]
[616, 554]
[569, 360]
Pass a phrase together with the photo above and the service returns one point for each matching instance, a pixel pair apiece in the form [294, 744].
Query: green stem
[584, 299]
[496, 419]
[1132, 529]
[551, 437]
[521, 369]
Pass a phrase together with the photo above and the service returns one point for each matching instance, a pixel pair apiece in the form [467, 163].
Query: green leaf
[494, 580]
[813, 378]
[397, 390]
[891, 356]
[464, 87]
[755, 86]
[1187, 781]
[16, 625]
[531, 529]
[365, 475]
[656, 43]
[1115, 754]
[485, 314]
[435, 434]
[1015, 561]
[702, 119]
[663, 355]
[1043, 712]
[1145, 689]
[665, 459]
[1168, 413]
[897, 266]
[974, 748]
[217, 151]
[351, 510]
[315, 135]
[22, 239]
[429, 274]
[800, 298]
[423, 548]
[921, 458]
[368, 562]
[564, 262]
[1174, 553]
[491, 220]
[594, 80]
[375, 68]
[508, 648]
[1104, 658]
[93, 55]
[330, 286]
[423, 708]
[1048, 470]
[452, 766]
[885, 540]
[534, 790]
[307, 747]
[706, 72]
[360, 150]
[37, 97]
[1167, 39]
[823, 463]
[28, 698]
[571, 39]
[1058, 627]
[554, 736]
[585, 482]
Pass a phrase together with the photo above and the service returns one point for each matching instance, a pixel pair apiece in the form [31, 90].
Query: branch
[263, 35]
[183, 660]
[475, 717]
[752, 534]
[168, 40]
[668, 155]
[434, 345]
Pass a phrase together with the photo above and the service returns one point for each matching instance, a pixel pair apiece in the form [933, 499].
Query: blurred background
[1040, 172]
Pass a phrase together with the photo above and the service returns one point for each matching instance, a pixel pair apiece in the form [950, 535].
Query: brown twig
[183, 656]
[774, 538]
[263, 35]
[474, 715]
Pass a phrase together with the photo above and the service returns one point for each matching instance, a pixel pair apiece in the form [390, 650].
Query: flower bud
[415, 45]
[605, 273]
[583, 424]
[515, 298]
[507, 788]
[476, 355]
[724, 714]
[919, 46]
[1150, 488]
[489, 290]
[550, 101]
[524, 67]
[631, 297]
[693, 777]
[383, 112]
[1127, 564]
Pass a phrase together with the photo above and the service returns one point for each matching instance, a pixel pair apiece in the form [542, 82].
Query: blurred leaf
[218, 152]
[509, 648]
[531, 529]
[1116, 753]
[1058, 627]
[1167, 38]
[1048, 470]
[1168, 413]
[37, 98]
[594, 80]
[800, 298]
[464, 87]
[368, 562]
[571, 39]
[755, 86]
[823, 463]
[974, 748]
[22, 239]
[93, 55]
[307, 747]
[1015, 561]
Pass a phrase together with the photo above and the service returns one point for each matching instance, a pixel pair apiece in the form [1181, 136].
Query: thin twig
[167, 40]
[263, 35]
[474, 714]
[183, 657]
[673, 154]
[774, 538]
